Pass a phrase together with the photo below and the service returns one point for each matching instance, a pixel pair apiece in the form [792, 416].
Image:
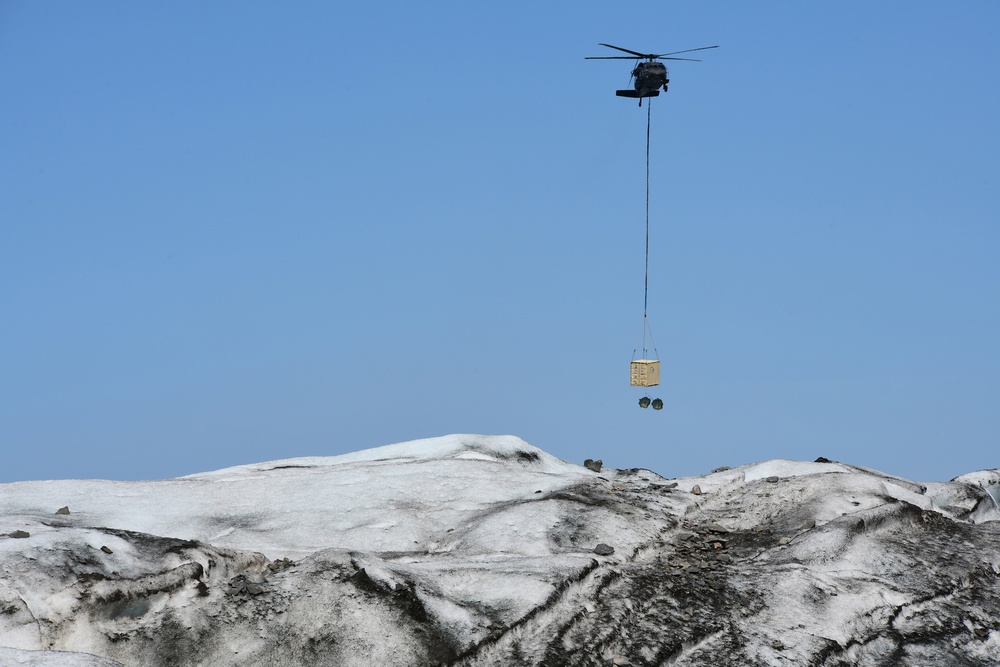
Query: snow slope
[479, 550]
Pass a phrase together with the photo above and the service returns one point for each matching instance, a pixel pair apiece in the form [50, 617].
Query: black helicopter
[650, 74]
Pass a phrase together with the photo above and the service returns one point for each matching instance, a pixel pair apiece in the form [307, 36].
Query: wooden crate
[644, 373]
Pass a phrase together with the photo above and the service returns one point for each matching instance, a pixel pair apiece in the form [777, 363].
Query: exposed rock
[62, 510]
[107, 550]
[242, 585]
[284, 563]
[696, 489]
[591, 464]
[603, 549]
[714, 527]
[772, 479]
[20, 534]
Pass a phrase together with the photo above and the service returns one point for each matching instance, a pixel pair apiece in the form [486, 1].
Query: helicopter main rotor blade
[634, 53]
[674, 53]
[693, 60]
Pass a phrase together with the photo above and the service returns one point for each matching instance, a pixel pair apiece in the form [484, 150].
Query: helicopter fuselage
[649, 73]
[649, 77]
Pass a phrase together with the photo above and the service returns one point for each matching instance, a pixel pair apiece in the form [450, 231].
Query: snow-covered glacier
[484, 550]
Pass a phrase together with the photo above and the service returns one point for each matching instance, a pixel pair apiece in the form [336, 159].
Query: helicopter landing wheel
[644, 402]
[657, 404]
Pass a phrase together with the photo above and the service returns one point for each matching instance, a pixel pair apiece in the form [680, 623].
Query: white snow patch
[394, 498]
[785, 468]
[980, 477]
[899, 493]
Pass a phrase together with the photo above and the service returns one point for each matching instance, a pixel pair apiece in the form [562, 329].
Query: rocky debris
[696, 489]
[773, 479]
[721, 469]
[246, 586]
[697, 548]
[285, 563]
[106, 549]
[62, 510]
[603, 549]
[823, 459]
[591, 464]
[19, 534]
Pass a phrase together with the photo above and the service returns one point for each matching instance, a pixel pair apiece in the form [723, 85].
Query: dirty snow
[479, 550]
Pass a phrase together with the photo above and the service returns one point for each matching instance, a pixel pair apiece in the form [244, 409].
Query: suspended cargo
[644, 372]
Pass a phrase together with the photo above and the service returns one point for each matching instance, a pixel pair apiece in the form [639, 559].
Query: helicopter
[648, 74]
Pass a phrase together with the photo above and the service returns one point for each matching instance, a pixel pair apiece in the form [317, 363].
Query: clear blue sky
[242, 231]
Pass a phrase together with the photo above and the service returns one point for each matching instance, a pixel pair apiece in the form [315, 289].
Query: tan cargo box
[644, 373]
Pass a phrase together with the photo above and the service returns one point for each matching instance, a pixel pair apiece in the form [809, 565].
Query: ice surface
[13, 658]
[479, 550]
[994, 491]
[383, 499]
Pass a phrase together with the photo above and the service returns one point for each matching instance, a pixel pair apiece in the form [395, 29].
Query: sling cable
[645, 372]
